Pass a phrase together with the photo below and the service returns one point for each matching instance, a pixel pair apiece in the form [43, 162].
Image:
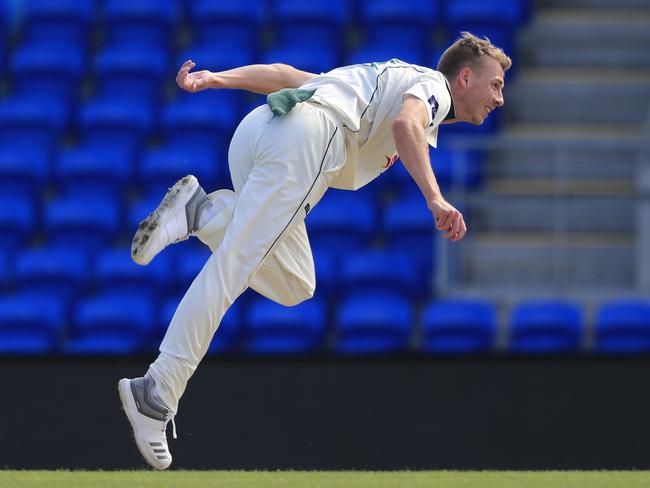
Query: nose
[498, 100]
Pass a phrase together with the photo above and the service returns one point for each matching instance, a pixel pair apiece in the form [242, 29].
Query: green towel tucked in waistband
[281, 102]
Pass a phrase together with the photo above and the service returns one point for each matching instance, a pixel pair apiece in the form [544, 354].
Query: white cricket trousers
[280, 168]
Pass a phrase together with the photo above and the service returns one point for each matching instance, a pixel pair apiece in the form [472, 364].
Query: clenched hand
[448, 219]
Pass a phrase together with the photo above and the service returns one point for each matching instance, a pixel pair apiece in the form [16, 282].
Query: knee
[297, 298]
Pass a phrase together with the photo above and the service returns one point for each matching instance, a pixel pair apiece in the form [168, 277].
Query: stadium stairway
[547, 214]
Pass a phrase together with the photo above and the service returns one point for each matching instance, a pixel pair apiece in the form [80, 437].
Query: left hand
[194, 82]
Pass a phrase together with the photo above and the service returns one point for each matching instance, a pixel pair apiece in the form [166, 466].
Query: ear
[463, 76]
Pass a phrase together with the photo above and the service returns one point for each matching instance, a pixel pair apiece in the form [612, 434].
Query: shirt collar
[452, 110]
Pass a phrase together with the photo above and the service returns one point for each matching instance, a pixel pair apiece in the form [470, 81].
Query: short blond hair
[469, 50]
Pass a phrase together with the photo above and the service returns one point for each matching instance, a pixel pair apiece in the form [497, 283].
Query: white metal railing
[450, 276]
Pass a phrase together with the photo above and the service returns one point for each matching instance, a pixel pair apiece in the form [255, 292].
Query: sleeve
[435, 96]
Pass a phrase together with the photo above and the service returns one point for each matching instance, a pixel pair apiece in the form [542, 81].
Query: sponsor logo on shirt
[390, 160]
[434, 106]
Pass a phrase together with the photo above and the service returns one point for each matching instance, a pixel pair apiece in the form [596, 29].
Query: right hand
[448, 219]
[194, 82]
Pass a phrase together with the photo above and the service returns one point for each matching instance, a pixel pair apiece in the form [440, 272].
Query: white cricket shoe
[148, 417]
[172, 221]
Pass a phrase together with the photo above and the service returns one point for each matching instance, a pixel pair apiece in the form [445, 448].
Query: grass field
[327, 479]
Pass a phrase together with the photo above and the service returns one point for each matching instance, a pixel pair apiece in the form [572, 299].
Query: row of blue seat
[51, 19]
[73, 272]
[380, 323]
[118, 171]
[341, 219]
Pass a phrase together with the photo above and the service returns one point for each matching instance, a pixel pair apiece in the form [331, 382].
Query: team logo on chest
[390, 160]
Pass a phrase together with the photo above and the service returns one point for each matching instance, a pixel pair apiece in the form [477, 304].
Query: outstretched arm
[410, 138]
[257, 78]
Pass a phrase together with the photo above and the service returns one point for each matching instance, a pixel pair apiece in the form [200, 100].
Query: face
[480, 91]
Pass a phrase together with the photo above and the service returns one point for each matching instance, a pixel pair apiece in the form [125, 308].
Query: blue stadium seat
[457, 326]
[111, 324]
[127, 71]
[82, 221]
[231, 24]
[141, 22]
[373, 324]
[405, 22]
[457, 169]
[207, 57]
[317, 23]
[326, 267]
[162, 166]
[546, 327]
[61, 272]
[22, 119]
[24, 167]
[58, 21]
[342, 220]
[115, 271]
[189, 261]
[229, 334]
[276, 329]
[369, 53]
[116, 121]
[408, 225]
[302, 57]
[623, 327]
[497, 20]
[17, 220]
[31, 323]
[6, 268]
[380, 271]
[304, 28]
[508, 13]
[96, 168]
[454, 169]
[48, 71]
[204, 118]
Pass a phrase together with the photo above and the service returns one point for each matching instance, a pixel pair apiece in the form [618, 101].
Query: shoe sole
[156, 220]
[123, 390]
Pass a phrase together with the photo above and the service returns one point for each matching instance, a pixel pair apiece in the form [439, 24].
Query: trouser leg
[285, 178]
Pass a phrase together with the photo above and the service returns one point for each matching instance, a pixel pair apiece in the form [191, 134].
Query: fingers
[455, 226]
[450, 221]
[183, 72]
[445, 218]
[187, 65]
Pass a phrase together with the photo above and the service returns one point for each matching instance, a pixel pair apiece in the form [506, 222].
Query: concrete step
[589, 162]
[587, 38]
[592, 4]
[632, 133]
[553, 187]
[590, 297]
[500, 260]
[606, 216]
[594, 96]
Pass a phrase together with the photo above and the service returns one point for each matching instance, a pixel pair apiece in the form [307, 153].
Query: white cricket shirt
[366, 98]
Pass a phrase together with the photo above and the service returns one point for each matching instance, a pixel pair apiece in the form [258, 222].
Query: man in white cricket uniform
[341, 129]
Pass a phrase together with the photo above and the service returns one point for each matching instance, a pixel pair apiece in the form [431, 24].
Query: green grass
[327, 479]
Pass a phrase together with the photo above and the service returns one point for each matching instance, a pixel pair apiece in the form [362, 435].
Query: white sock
[208, 210]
